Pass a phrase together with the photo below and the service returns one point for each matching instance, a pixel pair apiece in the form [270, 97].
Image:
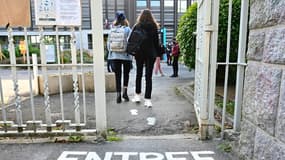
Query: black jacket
[150, 47]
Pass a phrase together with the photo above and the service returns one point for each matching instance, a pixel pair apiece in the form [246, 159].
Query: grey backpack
[118, 39]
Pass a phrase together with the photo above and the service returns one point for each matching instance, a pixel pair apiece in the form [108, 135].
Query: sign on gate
[58, 12]
[50, 53]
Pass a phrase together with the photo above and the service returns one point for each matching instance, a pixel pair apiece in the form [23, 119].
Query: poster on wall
[58, 12]
[15, 13]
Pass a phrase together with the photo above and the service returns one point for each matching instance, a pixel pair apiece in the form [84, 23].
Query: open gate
[206, 65]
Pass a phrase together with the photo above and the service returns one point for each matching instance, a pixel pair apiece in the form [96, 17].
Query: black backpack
[136, 38]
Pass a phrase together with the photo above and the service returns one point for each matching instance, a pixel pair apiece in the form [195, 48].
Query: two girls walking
[145, 57]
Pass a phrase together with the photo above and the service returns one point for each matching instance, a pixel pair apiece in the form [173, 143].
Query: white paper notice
[58, 12]
[50, 53]
[68, 12]
[45, 12]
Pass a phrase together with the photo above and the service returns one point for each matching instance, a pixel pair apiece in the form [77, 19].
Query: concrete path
[171, 112]
[155, 133]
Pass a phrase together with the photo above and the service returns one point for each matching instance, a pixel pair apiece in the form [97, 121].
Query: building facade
[166, 12]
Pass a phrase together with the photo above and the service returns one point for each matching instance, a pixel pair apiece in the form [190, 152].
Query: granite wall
[263, 115]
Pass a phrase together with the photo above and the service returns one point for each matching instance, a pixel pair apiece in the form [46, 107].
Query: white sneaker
[137, 98]
[148, 103]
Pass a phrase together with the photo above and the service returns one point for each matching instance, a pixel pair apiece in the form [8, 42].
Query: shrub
[66, 55]
[34, 49]
[185, 36]
[187, 40]
[6, 53]
[18, 52]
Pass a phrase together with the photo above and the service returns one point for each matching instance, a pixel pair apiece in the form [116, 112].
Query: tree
[187, 40]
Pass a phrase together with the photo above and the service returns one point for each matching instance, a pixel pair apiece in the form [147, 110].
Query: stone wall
[263, 115]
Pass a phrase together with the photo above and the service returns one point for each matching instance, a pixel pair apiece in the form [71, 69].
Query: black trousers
[175, 65]
[117, 68]
[149, 63]
[168, 58]
[109, 65]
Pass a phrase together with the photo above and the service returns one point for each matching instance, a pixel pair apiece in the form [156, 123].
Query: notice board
[58, 12]
[15, 12]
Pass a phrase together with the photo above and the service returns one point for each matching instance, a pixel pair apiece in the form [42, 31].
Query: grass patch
[225, 147]
[177, 91]
[75, 138]
[218, 129]
[195, 129]
[230, 106]
[112, 135]
[2, 125]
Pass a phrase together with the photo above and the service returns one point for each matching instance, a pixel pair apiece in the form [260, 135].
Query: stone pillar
[263, 120]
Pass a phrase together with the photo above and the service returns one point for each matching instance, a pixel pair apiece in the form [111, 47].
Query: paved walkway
[171, 114]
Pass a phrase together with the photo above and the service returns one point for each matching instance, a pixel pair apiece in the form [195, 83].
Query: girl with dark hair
[118, 56]
[146, 55]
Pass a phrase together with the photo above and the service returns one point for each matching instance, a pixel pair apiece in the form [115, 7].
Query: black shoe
[174, 75]
[119, 99]
[125, 94]
[126, 97]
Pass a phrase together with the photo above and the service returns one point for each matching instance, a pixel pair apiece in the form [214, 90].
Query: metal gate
[206, 65]
[47, 117]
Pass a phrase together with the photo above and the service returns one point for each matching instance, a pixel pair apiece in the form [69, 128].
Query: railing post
[75, 79]
[241, 60]
[35, 73]
[98, 60]
[45, 78]
[15, 80]
[4, 113]
[213, 64]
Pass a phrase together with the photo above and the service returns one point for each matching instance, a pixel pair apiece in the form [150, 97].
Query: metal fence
[41, 114]
[206, 66]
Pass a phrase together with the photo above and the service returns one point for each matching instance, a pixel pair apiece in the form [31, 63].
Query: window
[155, 3]
[141, 3]
[35, 39]
[90, 41]
[182, 6]
[64, 42]
[168, 3]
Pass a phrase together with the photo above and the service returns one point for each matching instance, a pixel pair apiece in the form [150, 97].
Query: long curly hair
[146, 16]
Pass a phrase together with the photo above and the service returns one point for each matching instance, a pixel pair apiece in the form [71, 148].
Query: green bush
[185, 36]
[6, 53]
[18, 52]
[34, 49]
[67, 57]
[187, 42]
